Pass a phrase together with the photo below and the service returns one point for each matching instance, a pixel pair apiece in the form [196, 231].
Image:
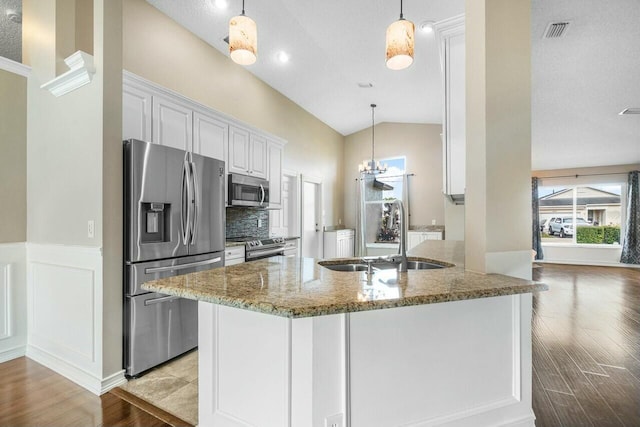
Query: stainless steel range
[260, 248]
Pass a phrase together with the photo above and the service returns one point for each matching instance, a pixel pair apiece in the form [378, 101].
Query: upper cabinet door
[238, 151]
[210, 136]
[172, 124]
[274, 152]
[136, 114]
[258, 156]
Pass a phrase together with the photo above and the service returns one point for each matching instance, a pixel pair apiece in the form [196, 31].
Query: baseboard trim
[82, 378]
[589, 263]
[528, 421]
[113, 381]
[12, 353]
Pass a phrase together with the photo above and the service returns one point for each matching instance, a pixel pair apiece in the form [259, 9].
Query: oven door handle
[266, 252]
[263, 195]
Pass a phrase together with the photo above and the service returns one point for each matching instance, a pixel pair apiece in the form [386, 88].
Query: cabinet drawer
[233, 252]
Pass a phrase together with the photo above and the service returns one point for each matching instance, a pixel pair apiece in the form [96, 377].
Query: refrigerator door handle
[196, 203]
[182, 266]
[185, 217]
[160, 300]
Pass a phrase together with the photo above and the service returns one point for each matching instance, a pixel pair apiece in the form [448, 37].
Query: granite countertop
[298, 287]
[229, 244]
[426, 228]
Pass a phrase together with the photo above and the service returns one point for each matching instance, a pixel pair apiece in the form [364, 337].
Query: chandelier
[371, 167]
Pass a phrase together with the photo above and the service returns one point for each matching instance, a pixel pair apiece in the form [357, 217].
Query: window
[381, 217]
[587, 214]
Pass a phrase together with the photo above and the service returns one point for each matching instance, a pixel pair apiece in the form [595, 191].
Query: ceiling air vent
[629, 111]
[556, 30]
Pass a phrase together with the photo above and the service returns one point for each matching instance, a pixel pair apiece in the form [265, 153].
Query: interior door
[311, 218]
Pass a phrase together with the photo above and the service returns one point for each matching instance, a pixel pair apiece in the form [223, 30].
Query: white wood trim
[112, 381]
[6, 308]
[65, 312]
[14, 67]
[13, 326]
[12, 353]
[135, 80]
[80, 73]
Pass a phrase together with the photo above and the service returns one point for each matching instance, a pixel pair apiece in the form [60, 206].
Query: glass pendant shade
[400, 42]
[243, 40]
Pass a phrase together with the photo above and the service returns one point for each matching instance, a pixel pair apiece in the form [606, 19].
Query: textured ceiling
[10, 32]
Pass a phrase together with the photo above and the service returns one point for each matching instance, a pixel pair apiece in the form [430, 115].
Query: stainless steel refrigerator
[174, 223]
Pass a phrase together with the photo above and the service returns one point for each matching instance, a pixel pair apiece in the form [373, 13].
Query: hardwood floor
[586, 362]
[32, 395]
[586, 346]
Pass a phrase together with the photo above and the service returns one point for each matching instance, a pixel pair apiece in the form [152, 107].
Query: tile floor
[172, 387]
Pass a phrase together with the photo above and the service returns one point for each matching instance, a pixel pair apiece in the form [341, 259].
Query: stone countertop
[298, 287]
[230, 244]
[426, 228]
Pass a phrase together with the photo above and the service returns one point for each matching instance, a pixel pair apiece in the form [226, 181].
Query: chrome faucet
[401, 258]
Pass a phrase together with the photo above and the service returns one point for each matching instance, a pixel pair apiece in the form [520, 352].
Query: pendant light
[372, 167]
[243, 39]
[400, 42]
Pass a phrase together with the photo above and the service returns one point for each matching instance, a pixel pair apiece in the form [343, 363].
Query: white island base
[463, 363]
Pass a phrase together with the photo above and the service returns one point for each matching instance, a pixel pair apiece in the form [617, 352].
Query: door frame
[319, 211]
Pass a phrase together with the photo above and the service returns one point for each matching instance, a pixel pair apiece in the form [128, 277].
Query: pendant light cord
[401, 16]
[373, 134]
[243, 8]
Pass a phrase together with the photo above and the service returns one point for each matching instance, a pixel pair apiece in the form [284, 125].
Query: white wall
[74, 162]
[13, 211]
[421, 145]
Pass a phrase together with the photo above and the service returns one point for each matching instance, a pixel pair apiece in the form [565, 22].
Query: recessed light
[365, 85]
[14, 16]
[221, 4]
[283, 57]
[629, 111]
[427, 27]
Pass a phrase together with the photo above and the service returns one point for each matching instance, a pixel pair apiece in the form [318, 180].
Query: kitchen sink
[345, 267]
[359, 265]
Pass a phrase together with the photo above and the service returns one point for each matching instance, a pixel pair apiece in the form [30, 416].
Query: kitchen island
[288, 342]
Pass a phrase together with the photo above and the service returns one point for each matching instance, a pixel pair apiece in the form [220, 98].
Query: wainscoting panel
[13, 320]
[65, 312]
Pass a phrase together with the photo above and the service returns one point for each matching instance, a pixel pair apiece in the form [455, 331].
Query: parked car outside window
[564, 226]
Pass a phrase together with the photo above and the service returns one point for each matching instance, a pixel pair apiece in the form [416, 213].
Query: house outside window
[587, 214]
[382, 217]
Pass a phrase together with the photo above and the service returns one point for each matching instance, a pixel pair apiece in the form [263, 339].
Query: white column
[498, 93]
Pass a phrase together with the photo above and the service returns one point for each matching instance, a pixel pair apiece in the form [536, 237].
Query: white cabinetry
[233, 255]
[274, 166]
[172, 124]
[153, 113]
[247, 153]
[291, 247]
[452, 57]
[136, 113]
[339, 243]
[210, 135]
[414, 238]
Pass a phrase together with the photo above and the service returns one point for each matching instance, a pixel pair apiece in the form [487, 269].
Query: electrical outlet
[334, 421]
[259, 222]
[433, 222]
[91, 229]
[339, 221]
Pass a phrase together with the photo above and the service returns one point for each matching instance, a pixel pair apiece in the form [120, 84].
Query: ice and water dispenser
[156, 218]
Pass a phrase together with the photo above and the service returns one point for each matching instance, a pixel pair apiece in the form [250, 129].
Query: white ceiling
[579, 83]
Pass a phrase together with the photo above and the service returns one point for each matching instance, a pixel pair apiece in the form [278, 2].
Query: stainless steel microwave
[248, 191]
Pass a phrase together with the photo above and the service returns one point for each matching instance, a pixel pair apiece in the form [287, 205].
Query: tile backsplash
[242, 222]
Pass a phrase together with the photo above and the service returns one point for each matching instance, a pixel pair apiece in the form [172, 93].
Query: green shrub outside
[611, 235]
[598, 235]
